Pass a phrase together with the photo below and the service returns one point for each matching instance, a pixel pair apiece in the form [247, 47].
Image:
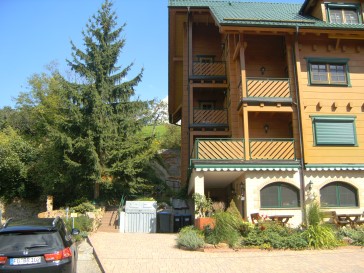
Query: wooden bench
[339, 221]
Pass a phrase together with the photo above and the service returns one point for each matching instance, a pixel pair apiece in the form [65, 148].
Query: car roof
[32, 224]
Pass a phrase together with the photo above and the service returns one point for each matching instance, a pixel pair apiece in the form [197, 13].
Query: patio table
[282, 219]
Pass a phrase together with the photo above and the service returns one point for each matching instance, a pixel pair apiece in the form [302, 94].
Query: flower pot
[201, 223]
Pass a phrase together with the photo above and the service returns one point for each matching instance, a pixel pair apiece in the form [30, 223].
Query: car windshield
[20, 241]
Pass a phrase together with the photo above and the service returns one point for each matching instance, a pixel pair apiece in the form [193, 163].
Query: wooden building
[270, 97]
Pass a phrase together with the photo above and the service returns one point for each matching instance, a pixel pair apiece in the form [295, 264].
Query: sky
[36, 33]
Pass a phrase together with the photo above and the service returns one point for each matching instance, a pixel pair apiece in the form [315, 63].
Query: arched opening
[279, 195]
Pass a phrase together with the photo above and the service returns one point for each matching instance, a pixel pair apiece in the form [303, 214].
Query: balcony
[233, 149]
[208, 71]
[272, 149]
[273, 90]
[210, 117]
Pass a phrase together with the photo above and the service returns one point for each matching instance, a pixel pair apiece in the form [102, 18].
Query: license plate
[27, 260]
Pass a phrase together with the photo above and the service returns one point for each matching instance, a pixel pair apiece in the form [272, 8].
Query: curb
[96, 257]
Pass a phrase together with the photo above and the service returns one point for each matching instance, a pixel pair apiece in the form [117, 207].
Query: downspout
[188, 98]
[298, 105]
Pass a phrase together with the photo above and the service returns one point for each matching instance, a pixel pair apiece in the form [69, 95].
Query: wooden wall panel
[332, 100]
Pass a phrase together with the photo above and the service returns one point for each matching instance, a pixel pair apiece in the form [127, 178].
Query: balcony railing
[223, 148]
[268, 88]
[209, 69]
[210, 116]
[233, 149]
[272, 149]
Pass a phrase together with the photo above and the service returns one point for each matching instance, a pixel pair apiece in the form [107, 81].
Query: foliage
[83, 223]
[190, 238]
[320, 236]
[355, 235]
[226, 229]
[314, 215]
[270, 234]
[203, 205]
[88, 131]
[16, 159]
[171, 139]
[83, 208]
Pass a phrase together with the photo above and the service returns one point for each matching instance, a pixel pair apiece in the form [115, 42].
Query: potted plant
[203, 209]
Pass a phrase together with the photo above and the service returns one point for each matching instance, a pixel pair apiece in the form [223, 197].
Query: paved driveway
[147, 253]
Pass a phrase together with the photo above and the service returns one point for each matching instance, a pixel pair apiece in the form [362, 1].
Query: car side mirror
[75, 231]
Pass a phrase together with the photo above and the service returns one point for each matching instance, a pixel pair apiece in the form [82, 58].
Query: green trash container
[177, 222]
[164, 222]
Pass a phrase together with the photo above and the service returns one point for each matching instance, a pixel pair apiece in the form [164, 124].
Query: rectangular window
[343, 13]
[328, 71]
[334, 130]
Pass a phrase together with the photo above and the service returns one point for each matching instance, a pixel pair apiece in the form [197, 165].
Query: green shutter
[334, 131]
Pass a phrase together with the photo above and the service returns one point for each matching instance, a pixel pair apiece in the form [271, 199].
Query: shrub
[226, 229]
[190, 238]
[82, 223]
[83, 208]
[270, 234]
[320, 236]
[314, 215]
[356, 235]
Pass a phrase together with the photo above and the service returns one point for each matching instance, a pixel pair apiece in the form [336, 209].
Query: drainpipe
[298, 105]
[188, 95]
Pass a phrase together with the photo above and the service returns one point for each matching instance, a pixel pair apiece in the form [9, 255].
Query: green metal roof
[236, 13]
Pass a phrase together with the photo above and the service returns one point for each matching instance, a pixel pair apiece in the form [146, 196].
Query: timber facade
[270, 98]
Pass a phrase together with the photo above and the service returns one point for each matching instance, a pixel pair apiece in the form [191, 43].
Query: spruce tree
[107, 121]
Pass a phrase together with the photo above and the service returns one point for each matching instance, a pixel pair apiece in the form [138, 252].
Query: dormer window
[343, 13]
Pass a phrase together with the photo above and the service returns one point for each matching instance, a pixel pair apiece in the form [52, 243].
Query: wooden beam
[236, 51]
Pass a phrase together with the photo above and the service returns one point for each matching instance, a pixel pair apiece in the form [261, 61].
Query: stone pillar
[49, 203]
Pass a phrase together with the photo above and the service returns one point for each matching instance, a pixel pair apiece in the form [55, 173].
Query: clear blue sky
[35, 33]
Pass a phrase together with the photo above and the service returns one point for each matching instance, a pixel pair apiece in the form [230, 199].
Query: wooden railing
[268, 88]
[209, 69]
[210, 116]
[212, 148]
[230, 149]
[272, 149]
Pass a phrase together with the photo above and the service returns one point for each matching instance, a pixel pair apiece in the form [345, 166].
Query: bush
[83, 208]
[356, 235]
[226, 229]
[82, 223]
[190, 238]
[270, 234]
[320, 236]
[314, 215]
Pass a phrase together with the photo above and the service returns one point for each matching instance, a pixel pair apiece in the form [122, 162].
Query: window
[334, 130]
[207, 105]
[279, 195]
[205, 58]
[343, 13]
[328, 71]
[338, 194]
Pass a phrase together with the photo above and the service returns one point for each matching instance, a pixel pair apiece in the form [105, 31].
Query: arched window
[279, 195]
[338, 194]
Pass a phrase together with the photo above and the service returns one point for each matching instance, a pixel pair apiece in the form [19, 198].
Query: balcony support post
[243, 67]
[246, 133]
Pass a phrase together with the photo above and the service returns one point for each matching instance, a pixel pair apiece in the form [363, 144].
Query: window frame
[338, 204]
[337, 120]
[342, 7]
[328, 62]
[279, 193]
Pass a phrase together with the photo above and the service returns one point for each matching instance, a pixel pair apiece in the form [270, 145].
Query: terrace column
[197, 183]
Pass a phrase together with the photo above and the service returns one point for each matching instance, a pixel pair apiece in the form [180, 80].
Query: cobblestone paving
[153, 253]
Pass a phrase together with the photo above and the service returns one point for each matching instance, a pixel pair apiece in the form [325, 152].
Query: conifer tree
[106, 120]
